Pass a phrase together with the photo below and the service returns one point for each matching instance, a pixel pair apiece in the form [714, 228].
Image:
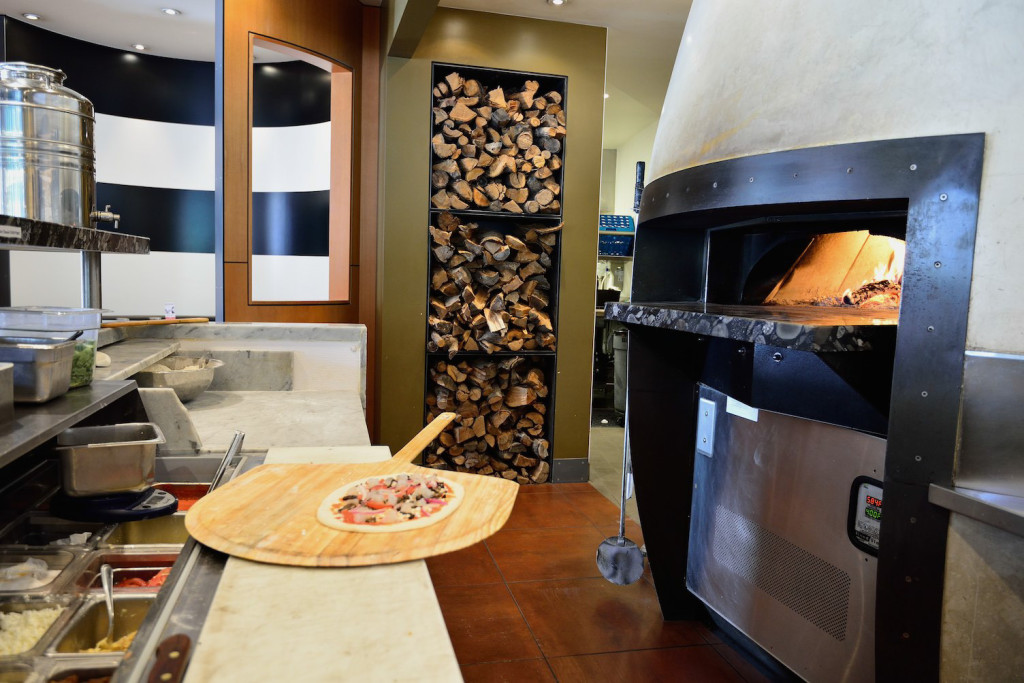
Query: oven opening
[848, 260]
[844, 269]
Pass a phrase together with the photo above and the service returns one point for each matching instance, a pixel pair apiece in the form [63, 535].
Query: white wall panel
[290, 278]
[133, 284]
[179, 156]
[293, 159]
[141, 285]
[154, 153]
[46, 278]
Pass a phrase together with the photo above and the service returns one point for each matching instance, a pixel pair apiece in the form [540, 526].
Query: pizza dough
[406, 492]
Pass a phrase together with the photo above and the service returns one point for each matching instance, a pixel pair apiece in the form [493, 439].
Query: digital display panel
[866, 509]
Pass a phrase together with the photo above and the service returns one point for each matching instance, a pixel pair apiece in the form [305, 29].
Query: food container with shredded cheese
[26, 625]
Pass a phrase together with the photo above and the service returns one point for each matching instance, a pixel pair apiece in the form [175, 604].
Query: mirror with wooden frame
[300, 113]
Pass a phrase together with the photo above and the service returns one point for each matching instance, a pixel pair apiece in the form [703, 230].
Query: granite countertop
[28, 232]
[803, 328]
[131, 355]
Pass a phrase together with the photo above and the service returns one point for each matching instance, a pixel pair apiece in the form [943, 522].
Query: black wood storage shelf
[545, 260]
[472, 131]
[488, 131]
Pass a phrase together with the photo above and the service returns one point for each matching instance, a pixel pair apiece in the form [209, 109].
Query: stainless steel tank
[47, 161]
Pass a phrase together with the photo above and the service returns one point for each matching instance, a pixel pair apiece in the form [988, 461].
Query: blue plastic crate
[615, 245]
[615, 222]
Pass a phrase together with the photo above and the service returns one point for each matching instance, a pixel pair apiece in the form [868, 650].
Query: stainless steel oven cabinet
[784, 532]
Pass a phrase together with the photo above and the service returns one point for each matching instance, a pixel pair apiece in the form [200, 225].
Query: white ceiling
[643, 36]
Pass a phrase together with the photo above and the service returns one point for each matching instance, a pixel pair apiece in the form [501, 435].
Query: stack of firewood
[494, 150]
[500, 429]
[488, 289]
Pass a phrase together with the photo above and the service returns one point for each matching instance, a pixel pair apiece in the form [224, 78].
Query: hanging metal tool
[619, 559]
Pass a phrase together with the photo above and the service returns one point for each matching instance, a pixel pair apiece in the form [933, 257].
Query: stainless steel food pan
[19, 575]
[89, 624]
[36, 635]
[126, 565]
[108, 459]
[6, 394]
[166, 531]
[188, 376]
[41, 529]
[42, 367]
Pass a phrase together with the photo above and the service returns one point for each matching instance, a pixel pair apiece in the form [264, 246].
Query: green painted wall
[493, 41]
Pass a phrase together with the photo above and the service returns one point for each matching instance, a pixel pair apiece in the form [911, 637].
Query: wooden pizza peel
[269, 513]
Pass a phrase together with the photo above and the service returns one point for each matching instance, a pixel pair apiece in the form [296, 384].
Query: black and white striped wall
[155, 167]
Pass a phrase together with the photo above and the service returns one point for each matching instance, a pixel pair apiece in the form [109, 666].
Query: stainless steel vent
[768, 549]
[816, 590]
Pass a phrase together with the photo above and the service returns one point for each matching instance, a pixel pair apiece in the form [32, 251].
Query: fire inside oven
[844, 261]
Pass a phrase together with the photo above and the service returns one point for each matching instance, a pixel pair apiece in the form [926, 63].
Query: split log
[490, 288]
[507, 135]
[490, 436]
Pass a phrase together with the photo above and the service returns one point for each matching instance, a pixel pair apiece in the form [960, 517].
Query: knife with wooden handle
[171, 658]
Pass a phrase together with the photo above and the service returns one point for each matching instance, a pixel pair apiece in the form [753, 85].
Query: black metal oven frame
[939, 180]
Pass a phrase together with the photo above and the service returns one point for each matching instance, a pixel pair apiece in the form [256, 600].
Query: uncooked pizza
[394, 502]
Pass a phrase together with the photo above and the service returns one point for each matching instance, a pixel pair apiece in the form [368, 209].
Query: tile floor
[529, 604]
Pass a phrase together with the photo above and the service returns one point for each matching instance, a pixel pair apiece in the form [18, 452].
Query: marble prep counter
[324, 624]
[270, 622]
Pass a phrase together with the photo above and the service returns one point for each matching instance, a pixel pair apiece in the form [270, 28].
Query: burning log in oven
[852, 268]
[496, 151]
[502, 415]
[489, 290]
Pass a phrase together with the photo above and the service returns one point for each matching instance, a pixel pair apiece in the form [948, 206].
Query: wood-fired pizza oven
[800, 318]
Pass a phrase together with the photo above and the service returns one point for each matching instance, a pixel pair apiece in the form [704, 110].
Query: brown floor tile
[584, 616]
[544, 510]
[747, 670]
[573, 487]
[466, 567]
[540, 554]
[699, 664]
[522, 671]
[538, 488]
[713, 638]
[594, 506]
[485, 624]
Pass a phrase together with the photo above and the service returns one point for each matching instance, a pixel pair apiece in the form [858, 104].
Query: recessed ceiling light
[170, 11]
[139, 46]
[557, 3]
[31, 17]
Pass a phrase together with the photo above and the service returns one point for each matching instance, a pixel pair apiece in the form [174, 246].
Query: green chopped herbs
[82, 363]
